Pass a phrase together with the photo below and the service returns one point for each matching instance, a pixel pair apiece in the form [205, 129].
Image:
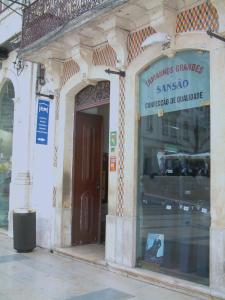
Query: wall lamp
[19, 65]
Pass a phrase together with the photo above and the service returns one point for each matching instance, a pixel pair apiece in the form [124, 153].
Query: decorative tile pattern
[201, 17]
[120, 190]
[135, 40]
[106, 294]
[69, 69]
[105, 55]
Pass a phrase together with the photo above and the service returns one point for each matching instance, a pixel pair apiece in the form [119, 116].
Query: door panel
[87, 167]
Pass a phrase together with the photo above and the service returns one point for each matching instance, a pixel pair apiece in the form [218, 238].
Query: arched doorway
[6, 133]
[90, 192]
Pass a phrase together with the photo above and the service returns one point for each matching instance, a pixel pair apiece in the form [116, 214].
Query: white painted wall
[24, 85]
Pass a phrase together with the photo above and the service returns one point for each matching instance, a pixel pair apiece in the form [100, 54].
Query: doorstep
[168, 282]
[93, 254]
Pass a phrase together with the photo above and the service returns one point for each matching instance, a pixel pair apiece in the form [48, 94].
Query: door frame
[64, 151]
[80, 106]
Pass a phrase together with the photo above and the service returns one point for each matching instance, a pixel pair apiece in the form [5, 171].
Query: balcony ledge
[70, 26]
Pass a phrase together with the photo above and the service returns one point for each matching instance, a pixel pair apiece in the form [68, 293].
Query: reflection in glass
[174, 194]
[6, 130]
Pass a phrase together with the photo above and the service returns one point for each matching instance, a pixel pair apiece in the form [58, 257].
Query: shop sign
[113, 140]
[112, 163]
[177, 83]
[42, 122]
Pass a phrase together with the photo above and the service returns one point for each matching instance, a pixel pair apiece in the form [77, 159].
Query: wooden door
[87, 172]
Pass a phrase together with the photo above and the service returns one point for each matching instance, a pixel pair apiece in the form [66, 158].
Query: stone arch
[65, 143]
[11, 75]
[184, 41]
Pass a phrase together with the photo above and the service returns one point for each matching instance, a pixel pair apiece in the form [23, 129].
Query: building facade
[132, 157]
[17, 88]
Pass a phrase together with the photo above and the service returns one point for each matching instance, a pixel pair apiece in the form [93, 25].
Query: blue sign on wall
[42, 122]
[177, 83]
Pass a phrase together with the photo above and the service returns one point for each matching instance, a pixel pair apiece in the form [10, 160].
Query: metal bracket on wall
[120, 73]
[215, 35]
[44, 95]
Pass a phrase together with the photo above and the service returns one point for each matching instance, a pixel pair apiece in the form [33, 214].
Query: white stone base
[217, 261]
[120, 240]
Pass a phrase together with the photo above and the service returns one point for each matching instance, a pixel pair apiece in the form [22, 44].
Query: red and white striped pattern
[70, 68]
[104, 55]
[201, 17]
[121, 141]
[135, 40]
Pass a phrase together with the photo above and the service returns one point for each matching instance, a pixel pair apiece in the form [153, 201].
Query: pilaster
[117, 39]
[83, 57]
[217, 239]
[164, 20]
[20, 186]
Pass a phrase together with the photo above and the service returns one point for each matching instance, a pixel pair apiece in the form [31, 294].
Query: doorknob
[98, 187]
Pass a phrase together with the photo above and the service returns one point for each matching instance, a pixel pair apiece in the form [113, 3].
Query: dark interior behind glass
[174, 193]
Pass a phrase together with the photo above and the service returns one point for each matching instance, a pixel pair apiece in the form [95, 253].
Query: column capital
[163, 18]
[117, 39]
[82, 55]
[54, 70]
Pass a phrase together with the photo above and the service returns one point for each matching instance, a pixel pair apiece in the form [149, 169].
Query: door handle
[98, 187]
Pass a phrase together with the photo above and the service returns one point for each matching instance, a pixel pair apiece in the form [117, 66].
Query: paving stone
[12, 257]
[106, 294]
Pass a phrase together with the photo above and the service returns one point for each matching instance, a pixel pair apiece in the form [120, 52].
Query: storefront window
[174, 167]
[6, 131]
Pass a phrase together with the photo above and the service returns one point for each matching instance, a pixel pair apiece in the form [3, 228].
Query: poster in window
[154, 251]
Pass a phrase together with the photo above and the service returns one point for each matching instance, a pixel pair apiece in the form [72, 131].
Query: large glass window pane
[174, 191]
[6, 131]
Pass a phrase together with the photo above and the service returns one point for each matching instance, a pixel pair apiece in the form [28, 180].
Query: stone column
[114, 220]
[217, 239]
[20, 180]
[54, 70]
[117, 39]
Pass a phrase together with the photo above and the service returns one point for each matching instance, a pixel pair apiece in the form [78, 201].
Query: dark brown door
[87, 167]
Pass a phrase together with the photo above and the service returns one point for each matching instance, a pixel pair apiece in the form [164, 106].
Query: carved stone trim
[93, 96]
[117, 39]
[82, 55]
[22, 178]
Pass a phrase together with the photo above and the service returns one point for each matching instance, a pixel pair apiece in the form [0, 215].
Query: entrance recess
[87, 178]
[90, 164]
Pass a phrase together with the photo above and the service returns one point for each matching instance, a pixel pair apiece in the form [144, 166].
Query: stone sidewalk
[41, 275]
